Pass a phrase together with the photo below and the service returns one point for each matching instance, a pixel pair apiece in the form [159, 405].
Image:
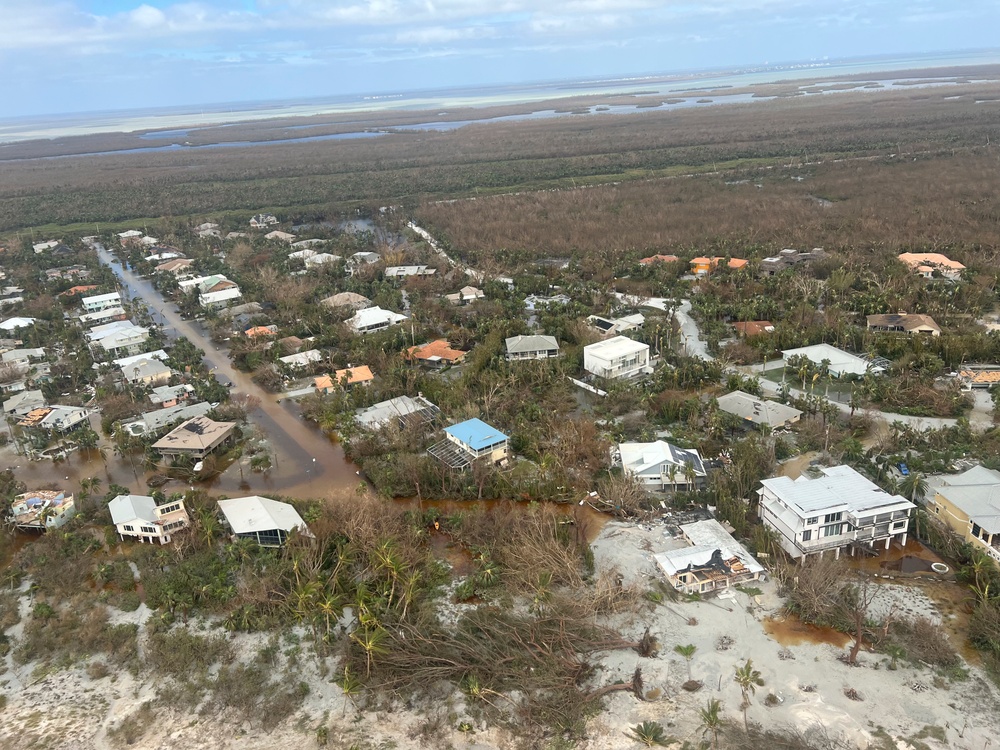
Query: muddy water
[790, 631]
[306, 462]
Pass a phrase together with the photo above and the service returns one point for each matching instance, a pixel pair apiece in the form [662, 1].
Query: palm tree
[913, 486]
[711, 720]
[372, 641]
[88, 487]
[690, 475]
[650, 733]
[688, 653]
[748, 679]
[672, 475]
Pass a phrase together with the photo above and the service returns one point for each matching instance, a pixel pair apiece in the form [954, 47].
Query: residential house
[55, 419]
[838, 362]
[41, 510]
[969, 503]
[22, 357]
[262, 520]
[531, 347]
[360, 259]
[139, 517]
[904, 323]
[206, 226]
[236, 235]
[177, 266]
[217, 292]
[12, 324]
[163, 253]
[317, 260]
[927, 264]
[985, 377]
[349, 300]
[715, 561]
[101, 302]
[11, 295]
[533, 301]
[23, 403]
[196, 438]
[615, 326]
[41, 247]
[306, 244]
[260, 221]
[465, 296]
[154, 422]
[753, 328]
[471, 441]
[108, 315]
[124, 362]
[149, 372]
[703, 266]
[660, 465]
[435, 354]
[659, 259]
[254, 332]
[346, 379]
[789, 258]
[403, 410]
[757, 411]
[78, 289]
[372, 319]
[118, 338]
[841, 508]
[302, 359]
[399, 272]
[166, 396]
[617, 358]
[280, 236]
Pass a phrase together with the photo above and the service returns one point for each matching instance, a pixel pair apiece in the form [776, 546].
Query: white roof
[384, 411]
[618, 346]
[839, 489]
[650, 458]
[100, 332]
[517, 344]
[706, 537]
[976, 493]
[102, 298]
[373, 316]
[246, 515]
[302, 358]
[840, 361]
[757, 410]
[221, 296]
[126, 508]
[126, 361]
[12, 323]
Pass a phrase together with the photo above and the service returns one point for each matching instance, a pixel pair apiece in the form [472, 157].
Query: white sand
[69, 710]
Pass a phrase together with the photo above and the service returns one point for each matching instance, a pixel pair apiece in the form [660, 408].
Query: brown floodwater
[791, 631]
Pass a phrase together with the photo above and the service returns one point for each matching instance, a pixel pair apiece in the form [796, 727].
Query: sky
[61, 56]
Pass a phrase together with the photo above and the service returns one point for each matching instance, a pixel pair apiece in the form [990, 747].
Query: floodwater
[306, 462]
[791, 631]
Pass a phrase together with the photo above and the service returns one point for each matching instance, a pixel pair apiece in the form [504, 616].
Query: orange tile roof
[354, 375]
[737, 262]
[435, 350]
[754, 327]
[259, 331]
[78, 290]
[933, 259]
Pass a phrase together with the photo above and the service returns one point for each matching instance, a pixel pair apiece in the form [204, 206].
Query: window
[148, 530]
[806, 536]
[835, 529]
[832, 517]
[812, 521]
[129, 528]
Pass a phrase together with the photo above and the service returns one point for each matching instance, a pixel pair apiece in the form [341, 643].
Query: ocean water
[174, 123]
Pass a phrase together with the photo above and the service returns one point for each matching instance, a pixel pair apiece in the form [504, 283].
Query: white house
[660, 465]
[41, 247]
[838, 509]
[279, 235]
[465, 295]
[101, 302]
[139, 516]
[121, 337]
[12, 324]
[714, 561]
[302, 359]
[373, 319]
[321, 259]
[618, 357]
[263, 220]
[220, 297]
[839, 362]
[398, 272]
[265, 521]
[531, 347]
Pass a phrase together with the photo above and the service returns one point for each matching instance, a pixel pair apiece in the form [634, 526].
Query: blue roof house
[478, 440]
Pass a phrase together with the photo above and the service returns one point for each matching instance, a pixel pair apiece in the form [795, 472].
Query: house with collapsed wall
[139, 517]
[714, 561]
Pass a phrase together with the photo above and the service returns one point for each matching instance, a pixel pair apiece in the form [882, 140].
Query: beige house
[969, 503]
[911, 323]
[196, 437]
[926, 264]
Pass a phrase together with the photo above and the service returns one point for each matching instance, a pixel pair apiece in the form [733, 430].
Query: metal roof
[246, 515]
[476, 434]
[839, 489]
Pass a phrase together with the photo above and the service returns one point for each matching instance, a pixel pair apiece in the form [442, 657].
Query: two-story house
[841, 508]
[139, 517]
[615, 358]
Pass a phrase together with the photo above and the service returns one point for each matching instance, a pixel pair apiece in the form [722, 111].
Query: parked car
[903, 469]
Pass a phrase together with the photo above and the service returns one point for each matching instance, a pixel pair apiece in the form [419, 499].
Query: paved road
[303, 455]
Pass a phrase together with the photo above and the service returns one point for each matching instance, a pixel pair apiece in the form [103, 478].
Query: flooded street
[306, 462]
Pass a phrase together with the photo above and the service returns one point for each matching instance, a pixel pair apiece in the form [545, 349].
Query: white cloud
[147, 17]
